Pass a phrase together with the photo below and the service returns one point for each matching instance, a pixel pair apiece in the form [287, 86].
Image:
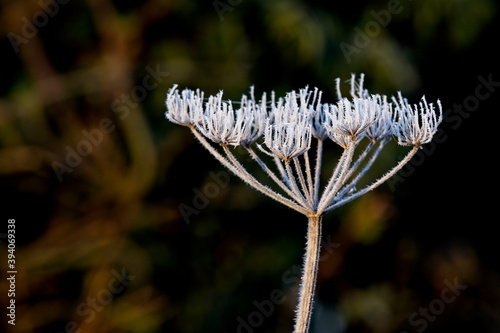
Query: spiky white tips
[287, 140]
[182, 109]
[349, 119]
[414, 126]
[363, 115]
[220, 122]
[288, 129]
[288, 125]
[217, 119]
[382, 126]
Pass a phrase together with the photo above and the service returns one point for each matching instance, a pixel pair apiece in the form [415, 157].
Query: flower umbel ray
[285, 128]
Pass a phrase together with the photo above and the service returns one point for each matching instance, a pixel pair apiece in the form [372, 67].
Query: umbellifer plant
[284, 128]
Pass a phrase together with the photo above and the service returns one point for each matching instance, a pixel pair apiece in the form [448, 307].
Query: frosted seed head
[287, 140]
[382, 126]
[348, 118]
[415, 125]
[254, 116]
[220, 122]
[217, 119]
[185, 108]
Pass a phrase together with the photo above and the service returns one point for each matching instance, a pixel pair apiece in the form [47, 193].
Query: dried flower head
[350, 119]
[382, 126]
[415, 125]
[182, 109]
[287, 140]
[220, 122]
[288, 125]
[255, 115]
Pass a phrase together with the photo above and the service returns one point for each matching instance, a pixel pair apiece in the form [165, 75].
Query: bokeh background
[101, 244]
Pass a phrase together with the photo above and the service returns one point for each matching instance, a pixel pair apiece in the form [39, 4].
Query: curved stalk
[359, 160]
[368, 188]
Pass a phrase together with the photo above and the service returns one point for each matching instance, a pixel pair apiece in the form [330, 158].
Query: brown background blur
[94, 175]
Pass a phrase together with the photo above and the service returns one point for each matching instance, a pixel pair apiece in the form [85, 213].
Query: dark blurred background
[95, 176]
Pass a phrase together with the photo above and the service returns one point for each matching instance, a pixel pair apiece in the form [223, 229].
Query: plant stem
[371, 187]
[250, 180]
[309, 274]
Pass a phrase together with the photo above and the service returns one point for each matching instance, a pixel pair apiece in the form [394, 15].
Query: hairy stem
[309, 274]
[317, 170]
[271, 174]
[330, 193]
[309, 177]
[371, 187]
[305, 188]
[294, 186]
[250, 180]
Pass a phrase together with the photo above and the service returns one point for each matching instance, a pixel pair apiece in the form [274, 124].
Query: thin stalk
[215, 153]
[309, 177]
[334, 176]
[328, 196]
[239, 171]
[294, 187]
[305, 188]
[368, 165]
[375, 184]
[317, 170]
[271, 174]
[281, 169]
[247, 177]
[359, 160]
[309, 274]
